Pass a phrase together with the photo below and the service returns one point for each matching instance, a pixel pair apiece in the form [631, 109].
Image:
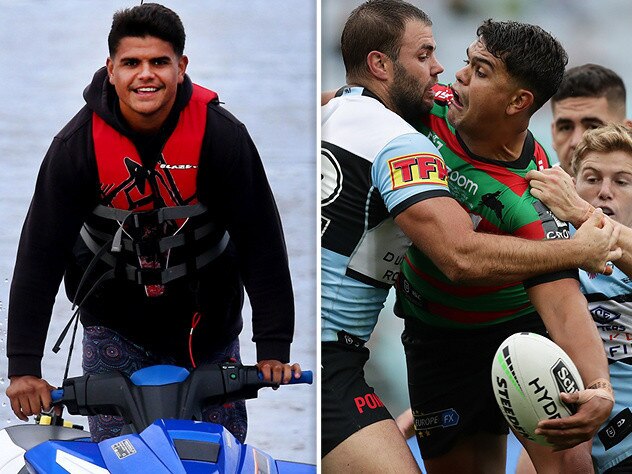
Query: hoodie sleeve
[60, 202]
[240, 188]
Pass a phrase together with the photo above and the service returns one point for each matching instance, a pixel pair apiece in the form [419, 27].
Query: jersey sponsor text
[410, 170]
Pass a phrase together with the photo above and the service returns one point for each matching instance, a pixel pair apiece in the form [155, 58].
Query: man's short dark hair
[534, 58]
[592, 80]
[376, 25]
[148, 19]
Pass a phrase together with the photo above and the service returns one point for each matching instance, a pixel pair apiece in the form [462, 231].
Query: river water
[260, 57]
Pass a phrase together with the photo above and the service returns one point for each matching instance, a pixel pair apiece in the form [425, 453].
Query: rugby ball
[529, 372]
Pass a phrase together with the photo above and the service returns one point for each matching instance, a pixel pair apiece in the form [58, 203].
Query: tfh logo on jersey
[410, 170]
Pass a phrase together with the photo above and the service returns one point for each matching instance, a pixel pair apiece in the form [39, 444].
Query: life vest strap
[157, 245]
[155, 276]
[151, 217]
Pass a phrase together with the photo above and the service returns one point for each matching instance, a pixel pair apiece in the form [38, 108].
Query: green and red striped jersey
[496, 195]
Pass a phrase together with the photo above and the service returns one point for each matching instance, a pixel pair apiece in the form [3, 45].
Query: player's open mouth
[607, 211]
[456, 98]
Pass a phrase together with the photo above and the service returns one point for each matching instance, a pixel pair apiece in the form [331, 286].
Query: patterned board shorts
[104, 350]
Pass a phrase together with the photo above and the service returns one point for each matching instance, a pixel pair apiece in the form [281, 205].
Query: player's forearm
[444, 232]
[594, 244]
[584, 347]
[493, 259]
[588, 357]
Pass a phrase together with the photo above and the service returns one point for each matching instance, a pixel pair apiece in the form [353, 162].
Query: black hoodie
[231, 183]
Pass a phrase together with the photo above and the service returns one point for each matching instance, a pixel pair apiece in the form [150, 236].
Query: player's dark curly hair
[592, 80]
[532, 56]
[148, 19]
[376, 25]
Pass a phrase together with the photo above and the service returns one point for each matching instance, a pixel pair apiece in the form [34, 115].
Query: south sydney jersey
[374, 166]
[496, 195]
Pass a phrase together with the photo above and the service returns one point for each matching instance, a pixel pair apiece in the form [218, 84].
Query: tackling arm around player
[466, 256]
[469, 257]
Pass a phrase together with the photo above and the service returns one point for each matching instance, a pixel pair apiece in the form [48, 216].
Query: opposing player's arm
[555, 188]
[442, 229]
[564, 311]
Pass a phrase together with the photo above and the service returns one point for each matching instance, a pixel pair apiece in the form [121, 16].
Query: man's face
[605, 180]
[481, 93]
[572, 117]
[145, 73]
[415, 72]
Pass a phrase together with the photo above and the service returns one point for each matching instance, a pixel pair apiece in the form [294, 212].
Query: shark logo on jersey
[603, 315]
[330, 178]
[491, 201]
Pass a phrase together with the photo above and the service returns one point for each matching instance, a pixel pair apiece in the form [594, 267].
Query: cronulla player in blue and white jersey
[375, 168]
[610, 303]
[367, 180]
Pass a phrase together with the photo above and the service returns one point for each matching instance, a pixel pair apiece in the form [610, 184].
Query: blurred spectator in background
[589, 97]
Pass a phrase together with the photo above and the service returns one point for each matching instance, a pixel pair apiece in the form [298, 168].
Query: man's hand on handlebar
[28, 395]
[278, 372]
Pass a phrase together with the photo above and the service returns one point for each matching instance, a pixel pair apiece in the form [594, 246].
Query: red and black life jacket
[154, 210]
[127, 184]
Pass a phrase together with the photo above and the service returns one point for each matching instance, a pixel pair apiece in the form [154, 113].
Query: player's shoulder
[78, 125]
[365, 109]
[409, 144]
[361, 124]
